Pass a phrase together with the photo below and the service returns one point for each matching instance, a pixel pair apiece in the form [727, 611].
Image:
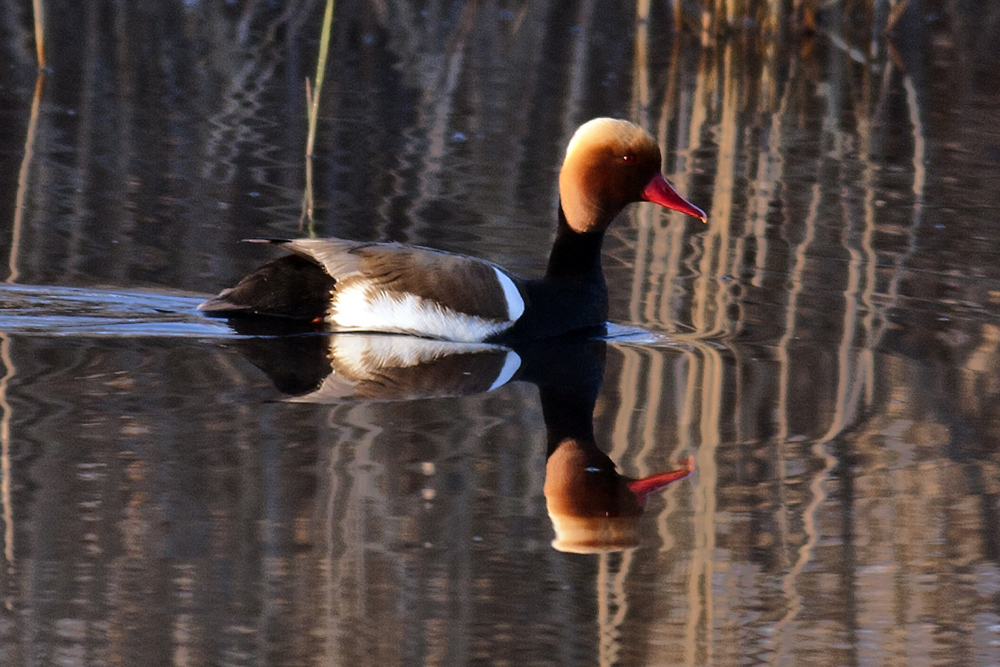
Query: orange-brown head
[609, 164]
[593, 507]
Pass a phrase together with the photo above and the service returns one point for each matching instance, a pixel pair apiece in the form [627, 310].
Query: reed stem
[312, 99]
[38, 8]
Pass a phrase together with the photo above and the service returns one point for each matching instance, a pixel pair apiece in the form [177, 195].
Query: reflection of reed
[233, 128]
[780, 264]
[919, 183]
[855, 367]
[9, 371]
[5, 453]
[432, 53]
[710, 316]
[723, 89]
[641, 385]
[438, 113]
[784, 404]
[705, 399]
[715, 20]
[612, 604]
[351, 494]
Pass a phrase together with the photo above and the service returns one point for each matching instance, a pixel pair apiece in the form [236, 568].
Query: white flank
[365, 355]
[510, 365]
[515, 304]
[356, 308]
[363, 358]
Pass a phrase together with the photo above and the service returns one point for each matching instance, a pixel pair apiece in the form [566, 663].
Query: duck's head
[609, 164]
[592, 507]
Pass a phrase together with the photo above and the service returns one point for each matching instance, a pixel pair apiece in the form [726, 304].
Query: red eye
[628, 157]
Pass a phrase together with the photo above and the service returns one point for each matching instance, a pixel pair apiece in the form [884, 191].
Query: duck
[346, 285]
[593, 507]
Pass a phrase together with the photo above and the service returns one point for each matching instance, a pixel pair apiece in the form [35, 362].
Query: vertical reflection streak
[709, 315]
[628, 396]
[673, 232]
[698, 556]
[613, 600]
[919, 175]
[683, 444]
[5, 471]
[646, 216]
[919, 181]
[711, 415]
[866, 356]
[784, 380]
[621, 604]
[348, 567]
[640, 65]
[699, 118]
[919, 152]
[578, 71]
[603, 607]
[700, 583]
[770, 173]
[845, 410]
[334, 615]
[439, 102]
[5, 343]
[651, 415]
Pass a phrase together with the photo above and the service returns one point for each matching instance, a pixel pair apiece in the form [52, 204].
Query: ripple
[60, 311]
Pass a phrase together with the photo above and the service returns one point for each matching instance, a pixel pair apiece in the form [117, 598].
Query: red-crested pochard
[393, 288]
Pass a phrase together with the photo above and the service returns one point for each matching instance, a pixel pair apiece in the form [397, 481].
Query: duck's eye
[628, 157]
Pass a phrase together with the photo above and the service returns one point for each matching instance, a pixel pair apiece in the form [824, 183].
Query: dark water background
[827, 348]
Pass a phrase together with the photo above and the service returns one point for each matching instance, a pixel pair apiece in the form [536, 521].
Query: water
[826, 349]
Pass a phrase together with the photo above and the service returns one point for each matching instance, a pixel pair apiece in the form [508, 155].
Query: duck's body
[393, 288]
[383, 287]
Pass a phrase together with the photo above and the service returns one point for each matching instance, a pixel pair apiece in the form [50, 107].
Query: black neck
[568, 415]
[568, 374]
[575, 254]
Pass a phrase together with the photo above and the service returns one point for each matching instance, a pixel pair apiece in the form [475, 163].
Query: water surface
[827, 348]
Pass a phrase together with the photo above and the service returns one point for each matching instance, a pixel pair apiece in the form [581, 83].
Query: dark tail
[286, 287]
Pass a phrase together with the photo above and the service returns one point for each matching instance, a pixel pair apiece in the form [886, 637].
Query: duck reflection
[592, 507]
[314, 368]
